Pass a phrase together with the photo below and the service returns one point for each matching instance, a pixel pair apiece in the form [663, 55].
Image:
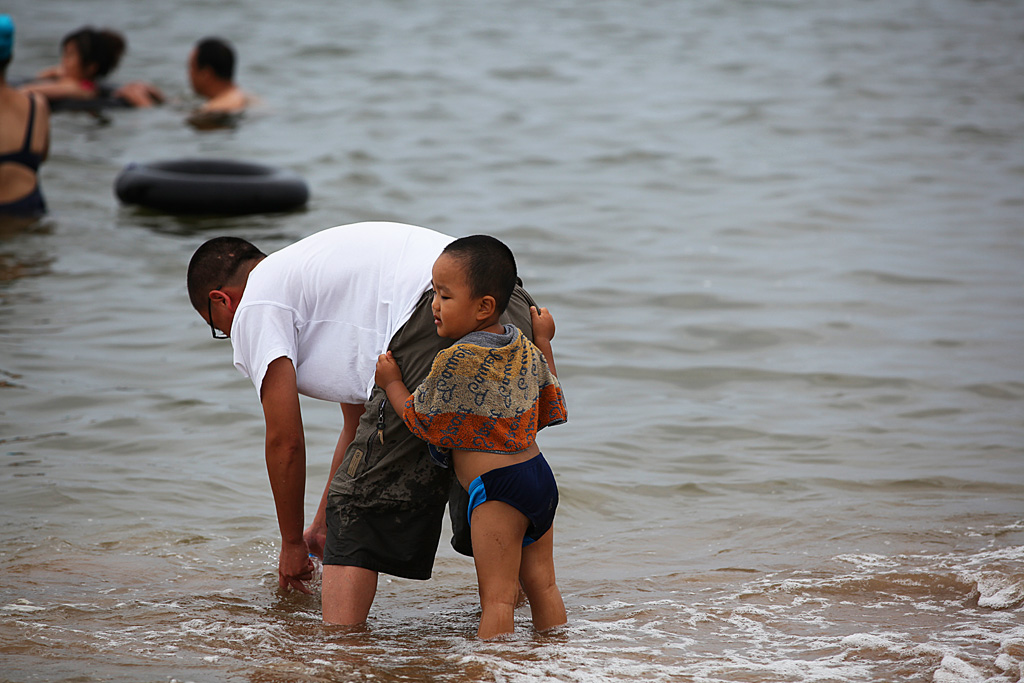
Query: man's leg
[347, 594]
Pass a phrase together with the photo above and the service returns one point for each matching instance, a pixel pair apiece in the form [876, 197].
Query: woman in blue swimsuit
[24, 138]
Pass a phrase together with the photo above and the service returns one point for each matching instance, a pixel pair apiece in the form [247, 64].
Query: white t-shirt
[331, 303]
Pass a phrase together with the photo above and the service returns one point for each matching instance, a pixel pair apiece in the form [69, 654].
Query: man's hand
[140, 94]
[543, 324]
[294, 566]
[387, 370]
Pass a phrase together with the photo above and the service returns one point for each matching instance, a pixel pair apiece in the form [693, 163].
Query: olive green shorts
[386, 501]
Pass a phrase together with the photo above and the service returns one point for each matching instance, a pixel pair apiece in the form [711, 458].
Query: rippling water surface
[782, 242]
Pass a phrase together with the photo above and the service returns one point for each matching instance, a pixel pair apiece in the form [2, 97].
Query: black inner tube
[104, 99]
[214, 167]
[215, 186]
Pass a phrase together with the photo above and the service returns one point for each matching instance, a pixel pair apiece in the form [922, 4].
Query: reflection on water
[782, 243]
[21, 254]
[14, 266]
[214, 120]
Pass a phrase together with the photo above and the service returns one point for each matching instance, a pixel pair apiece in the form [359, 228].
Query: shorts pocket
[367, 446]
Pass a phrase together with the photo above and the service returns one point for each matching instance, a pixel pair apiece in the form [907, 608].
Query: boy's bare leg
[497, 531]
[347, 594]
[537, 574]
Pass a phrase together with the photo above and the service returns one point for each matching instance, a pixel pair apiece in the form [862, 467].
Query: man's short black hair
[215, 264]
[490, 267]
[218, 55]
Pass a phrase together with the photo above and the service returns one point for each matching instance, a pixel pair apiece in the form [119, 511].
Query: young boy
[484, 401]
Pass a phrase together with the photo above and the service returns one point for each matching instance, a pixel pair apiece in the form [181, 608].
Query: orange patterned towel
[486, 399]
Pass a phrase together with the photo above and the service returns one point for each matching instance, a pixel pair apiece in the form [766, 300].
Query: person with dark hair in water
[211, 71]
[24, 138]
[89, 55]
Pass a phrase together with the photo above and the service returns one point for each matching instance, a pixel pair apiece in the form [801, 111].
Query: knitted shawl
[486, 399]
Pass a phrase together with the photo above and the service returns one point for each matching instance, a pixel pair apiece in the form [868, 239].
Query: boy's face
[456, 312]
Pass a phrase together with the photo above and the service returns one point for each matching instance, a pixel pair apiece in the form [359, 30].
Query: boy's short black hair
[215, 264]
[490, 267]
[218, 55]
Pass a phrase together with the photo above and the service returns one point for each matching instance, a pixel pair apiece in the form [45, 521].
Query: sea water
[782, 242]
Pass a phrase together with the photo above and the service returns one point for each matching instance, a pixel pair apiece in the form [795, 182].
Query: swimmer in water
[211, 72]
[87, 56]
[24, 138]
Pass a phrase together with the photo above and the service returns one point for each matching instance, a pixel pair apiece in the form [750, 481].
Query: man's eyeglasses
[209, 318]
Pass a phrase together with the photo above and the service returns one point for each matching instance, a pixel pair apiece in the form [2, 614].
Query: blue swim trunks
[528, 487]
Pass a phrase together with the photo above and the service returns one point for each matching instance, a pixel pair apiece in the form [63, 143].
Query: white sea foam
[23, 605]
[996, 575]
[870, 562]
[956, 670]
[787, 481]
[1010, 659]
[998, 591]
[867, 641]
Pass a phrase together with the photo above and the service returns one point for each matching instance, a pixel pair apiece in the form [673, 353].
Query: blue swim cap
[6, 37]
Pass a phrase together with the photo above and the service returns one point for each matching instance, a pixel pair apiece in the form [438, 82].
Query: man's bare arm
[286, 467]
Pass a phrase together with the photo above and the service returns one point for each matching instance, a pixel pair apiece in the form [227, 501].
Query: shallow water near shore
[782, 242]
